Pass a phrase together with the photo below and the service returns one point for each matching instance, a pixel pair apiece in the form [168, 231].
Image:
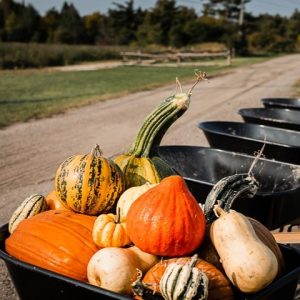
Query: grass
[35, 94]
[297, 89]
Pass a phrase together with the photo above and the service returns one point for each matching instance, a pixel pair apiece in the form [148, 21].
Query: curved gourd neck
[157, 123]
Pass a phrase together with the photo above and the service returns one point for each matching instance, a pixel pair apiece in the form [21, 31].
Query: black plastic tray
[292, 103]
[278, 117]
[34, 283]
[281, 144]
[275, 204]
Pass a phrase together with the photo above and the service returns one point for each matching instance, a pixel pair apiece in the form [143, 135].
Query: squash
[264, 234]
[226, 191]
[56, 240]
[184, 282]
[208, 252]
[115, 268]
[109, 231]
[31, 206]
[166, 220]
[219, 287]
[54, 203]
[89, 184]
[248, 263]
[129, 196]
[141, 163]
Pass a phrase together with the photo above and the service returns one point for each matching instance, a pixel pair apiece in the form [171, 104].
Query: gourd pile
[131, 225]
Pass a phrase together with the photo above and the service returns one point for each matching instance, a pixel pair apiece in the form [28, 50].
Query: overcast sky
[282, 7]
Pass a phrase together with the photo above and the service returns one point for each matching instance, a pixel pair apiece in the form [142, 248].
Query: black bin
[34, 283]
[281, 144]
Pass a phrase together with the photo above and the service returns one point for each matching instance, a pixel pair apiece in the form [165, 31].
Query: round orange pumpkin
[56, 240]
[166, 220]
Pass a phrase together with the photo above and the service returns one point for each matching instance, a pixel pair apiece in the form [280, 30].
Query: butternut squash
[248, 263]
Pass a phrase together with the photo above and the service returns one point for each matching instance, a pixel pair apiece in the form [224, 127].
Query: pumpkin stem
[219, 211]
[199, 76]
[178, 86]
[118, 215]
[193, 261]
[140, 289]
[96, 151]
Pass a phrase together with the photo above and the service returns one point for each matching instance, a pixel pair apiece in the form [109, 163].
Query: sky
[282, 7]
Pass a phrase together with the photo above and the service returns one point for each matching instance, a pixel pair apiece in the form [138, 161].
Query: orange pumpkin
[110, 231]
[54, 203]
[219, 287]
[56, 240]
[166, 220]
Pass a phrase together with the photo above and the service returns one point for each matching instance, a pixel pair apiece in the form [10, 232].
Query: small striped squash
[89, 184]
[184, 281]
[30, 207]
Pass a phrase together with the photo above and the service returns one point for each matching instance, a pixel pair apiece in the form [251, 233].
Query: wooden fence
[179, 57]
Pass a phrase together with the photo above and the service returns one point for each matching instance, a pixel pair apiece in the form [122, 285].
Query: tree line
[166, 24]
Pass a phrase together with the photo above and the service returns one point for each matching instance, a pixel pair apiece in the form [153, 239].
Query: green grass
[34, 94]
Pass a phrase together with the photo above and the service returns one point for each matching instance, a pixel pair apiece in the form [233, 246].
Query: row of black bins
[275, 204]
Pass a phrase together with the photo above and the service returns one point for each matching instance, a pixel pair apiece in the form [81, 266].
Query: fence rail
[178, 57]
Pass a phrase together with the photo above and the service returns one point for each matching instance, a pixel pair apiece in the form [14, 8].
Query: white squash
[116, 268]
[129, 196]
[249, 264]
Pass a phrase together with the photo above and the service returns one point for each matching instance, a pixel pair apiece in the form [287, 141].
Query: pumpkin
[54, 203]
[184, 282]
[109, 231]
[129, 196]
[248, 263]
[31, 206]
[115, 268]
[89, 184]
[141, 163]
[219, 287]
[56, 240]
[166, 220]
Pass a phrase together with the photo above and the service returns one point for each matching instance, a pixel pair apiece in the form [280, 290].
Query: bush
[18, 55]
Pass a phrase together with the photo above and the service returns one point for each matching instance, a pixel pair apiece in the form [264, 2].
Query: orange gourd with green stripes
[90, 183]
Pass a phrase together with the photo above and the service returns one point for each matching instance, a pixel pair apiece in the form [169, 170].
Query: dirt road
[31, 152]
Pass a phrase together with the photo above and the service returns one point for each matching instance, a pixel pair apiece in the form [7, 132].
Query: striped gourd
[141, 164]
[30, 207]
[184, 282]
[90, 183]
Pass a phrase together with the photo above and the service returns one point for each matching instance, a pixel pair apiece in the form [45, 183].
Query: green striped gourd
[30, 207]
[89, 184]
[184, 282]
[141, 163]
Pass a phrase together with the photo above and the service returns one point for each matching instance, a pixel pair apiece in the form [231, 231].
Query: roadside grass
[297, 89]
[35, 94]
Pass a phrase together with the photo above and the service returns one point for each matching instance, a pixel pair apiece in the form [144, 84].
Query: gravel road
[31, 152]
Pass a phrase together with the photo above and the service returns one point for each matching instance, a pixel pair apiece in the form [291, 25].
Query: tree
[70, 29]
[96, 28]
[123, 22]
[51, 23]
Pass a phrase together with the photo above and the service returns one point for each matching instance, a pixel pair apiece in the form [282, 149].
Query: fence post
[229, 58]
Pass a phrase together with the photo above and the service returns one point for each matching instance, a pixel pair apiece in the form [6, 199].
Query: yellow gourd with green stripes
[89, 184]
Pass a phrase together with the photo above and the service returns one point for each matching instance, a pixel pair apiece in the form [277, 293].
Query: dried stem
[96, 151]
[199, 76]
[178, 86]
[257, 157]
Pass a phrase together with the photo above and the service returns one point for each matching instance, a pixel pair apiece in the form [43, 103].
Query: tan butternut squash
[248, 263]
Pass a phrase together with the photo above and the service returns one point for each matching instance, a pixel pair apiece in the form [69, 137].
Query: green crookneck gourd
[141, 163]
